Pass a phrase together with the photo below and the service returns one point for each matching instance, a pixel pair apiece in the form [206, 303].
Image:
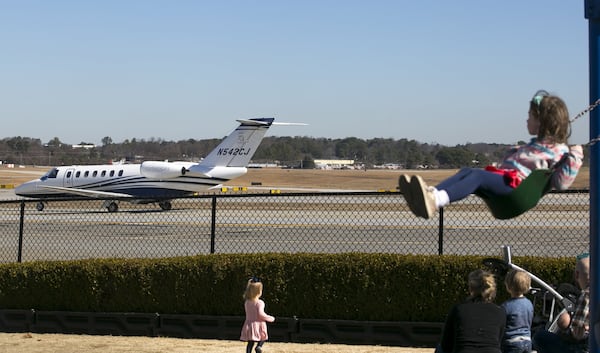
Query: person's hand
[564, 320]
[576, 150]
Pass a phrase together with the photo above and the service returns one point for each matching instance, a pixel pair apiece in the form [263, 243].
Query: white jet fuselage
[154, 179]
[127, 180]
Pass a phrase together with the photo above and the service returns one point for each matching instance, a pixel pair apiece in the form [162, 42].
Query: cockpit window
[52, 173]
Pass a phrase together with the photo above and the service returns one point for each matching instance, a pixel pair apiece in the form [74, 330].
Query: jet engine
[161, 170]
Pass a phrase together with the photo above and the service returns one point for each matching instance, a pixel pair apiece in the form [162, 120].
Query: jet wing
[84, 192]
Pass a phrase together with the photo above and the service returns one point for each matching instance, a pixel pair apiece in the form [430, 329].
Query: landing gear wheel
[39, 206]
[165, 205]
[112, 207]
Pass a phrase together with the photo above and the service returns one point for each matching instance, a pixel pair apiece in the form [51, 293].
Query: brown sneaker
[405, 189]
[423, 198]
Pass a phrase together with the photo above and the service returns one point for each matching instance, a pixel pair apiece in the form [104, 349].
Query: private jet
[153, 181]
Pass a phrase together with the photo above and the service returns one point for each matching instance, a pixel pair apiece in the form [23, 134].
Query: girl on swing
[548, 121]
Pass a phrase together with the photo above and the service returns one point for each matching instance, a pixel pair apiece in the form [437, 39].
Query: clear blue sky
[436, 71]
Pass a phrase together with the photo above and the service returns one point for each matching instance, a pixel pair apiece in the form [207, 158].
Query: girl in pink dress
[255, 326]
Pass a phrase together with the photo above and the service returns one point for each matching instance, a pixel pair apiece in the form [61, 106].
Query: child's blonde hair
[253, 289]
[553, 115]
[517, 282]
[482, 286]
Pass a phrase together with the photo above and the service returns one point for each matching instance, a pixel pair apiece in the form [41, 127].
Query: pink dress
[255, 326]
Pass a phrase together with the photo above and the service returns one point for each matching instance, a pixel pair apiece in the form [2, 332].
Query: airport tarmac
[8, 194]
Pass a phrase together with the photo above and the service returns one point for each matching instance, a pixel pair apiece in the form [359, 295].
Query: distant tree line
[294, 152]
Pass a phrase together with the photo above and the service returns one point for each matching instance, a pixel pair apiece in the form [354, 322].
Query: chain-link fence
[289, 223]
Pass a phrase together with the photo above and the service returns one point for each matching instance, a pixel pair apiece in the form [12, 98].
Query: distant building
[263, 165]
[392, 166]
[334, 163]
[86, 146]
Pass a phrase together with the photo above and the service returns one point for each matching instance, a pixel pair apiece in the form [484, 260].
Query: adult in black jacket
[477, 324]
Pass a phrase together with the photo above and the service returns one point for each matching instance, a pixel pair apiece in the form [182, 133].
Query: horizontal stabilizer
[252, 122]
[290, 124]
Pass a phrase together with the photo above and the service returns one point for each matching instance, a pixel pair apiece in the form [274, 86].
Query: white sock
[441, 198]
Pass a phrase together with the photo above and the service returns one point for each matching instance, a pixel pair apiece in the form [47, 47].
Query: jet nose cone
[25, 189]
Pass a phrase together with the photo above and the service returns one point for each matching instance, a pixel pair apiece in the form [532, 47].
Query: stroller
[547, 297]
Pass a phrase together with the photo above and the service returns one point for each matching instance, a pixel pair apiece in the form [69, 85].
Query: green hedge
[380, 287]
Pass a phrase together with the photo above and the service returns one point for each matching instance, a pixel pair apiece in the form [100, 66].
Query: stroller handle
[566, 303]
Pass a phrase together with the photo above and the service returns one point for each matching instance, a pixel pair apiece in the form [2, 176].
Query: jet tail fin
[237, 149]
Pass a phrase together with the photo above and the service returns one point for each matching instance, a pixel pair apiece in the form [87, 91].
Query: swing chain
[593, 141]
[587, 110]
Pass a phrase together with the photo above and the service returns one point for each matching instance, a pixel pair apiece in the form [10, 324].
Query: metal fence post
[213, 222]
[441, 232]
[21, 221]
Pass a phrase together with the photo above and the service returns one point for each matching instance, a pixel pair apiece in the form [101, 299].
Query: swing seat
[522, 198]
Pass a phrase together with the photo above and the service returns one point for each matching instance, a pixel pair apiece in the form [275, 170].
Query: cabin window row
[95, 173]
